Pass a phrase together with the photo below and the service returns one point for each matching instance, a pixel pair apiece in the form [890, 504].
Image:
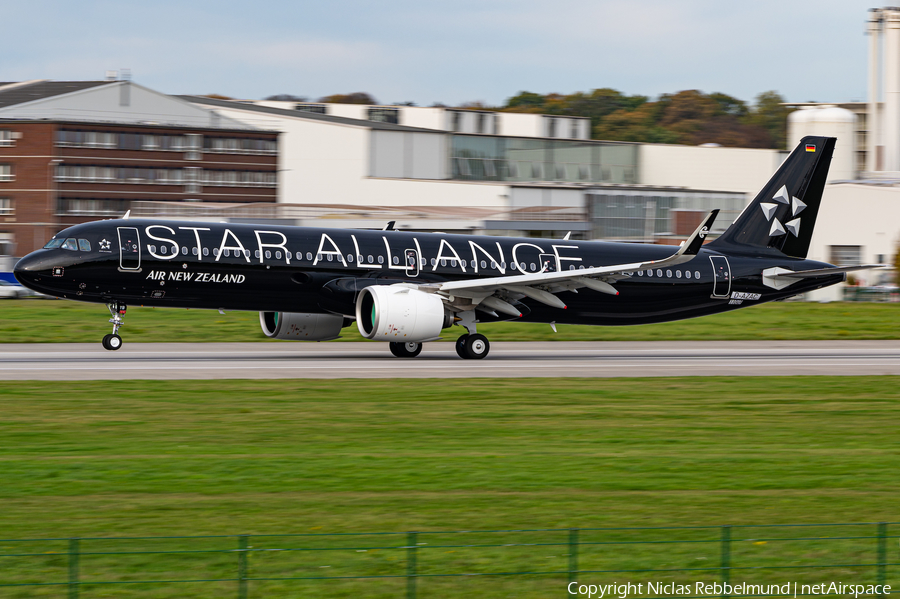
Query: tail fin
[784, 213]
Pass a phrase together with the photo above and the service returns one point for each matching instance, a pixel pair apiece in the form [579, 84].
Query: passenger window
[658, 272]
[256, 254]
[669, 273]
[309, 256]
[533, 267]
[268, 254]
[521, 266]
[503, 265]
[53, 244]
[443, 262]
[152, 249]
[380, 259]
[433, 261]
[299, 255]
[247, 254]
[206, 251]
[227, 253]
[349, 257]
[687, 274]
[571, 267]
[84, 245]
[396, 260]
[493, 264]
[483, 264]
[650, 273]
[678, 274]
[184, 250]
[696, 274]
[330, 257]
[216, 252]
[195, 251]
[370, 259]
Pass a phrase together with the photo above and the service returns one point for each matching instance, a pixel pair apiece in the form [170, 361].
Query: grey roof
[44, 89]
[301, 114]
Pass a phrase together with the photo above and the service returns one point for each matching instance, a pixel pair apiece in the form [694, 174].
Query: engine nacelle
[301, 326]
[399, 314]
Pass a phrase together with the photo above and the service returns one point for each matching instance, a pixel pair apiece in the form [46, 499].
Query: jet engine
[301, 326]
[399, 314]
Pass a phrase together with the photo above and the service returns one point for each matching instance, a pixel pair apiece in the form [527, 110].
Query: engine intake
[397, 313]
[301, 326]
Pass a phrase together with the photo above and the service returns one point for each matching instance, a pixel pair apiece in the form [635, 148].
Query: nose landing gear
[112, 341]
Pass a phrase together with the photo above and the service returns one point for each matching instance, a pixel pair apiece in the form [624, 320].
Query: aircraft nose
[27, 269]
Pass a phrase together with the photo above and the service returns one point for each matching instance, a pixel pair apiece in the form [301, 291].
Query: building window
[6, 206]
[6, 138]
[229, 145]
[314, 108]
[6, 173]
[385, 115]
[481, 117]
[551, 127]
[574, 130]
[845, 255]
[456, 119]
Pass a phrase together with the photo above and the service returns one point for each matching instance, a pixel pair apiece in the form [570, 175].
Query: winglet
[692, 245]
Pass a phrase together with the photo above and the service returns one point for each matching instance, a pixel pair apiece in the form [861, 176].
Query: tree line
[687, 117]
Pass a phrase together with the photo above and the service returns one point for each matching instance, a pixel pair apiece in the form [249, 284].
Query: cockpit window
[70, 244]
[84, 245]
[54, 243]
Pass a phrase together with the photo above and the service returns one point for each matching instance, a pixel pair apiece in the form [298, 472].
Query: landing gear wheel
[112, 342]
[406, 350]
[477, 346]
[461, 347]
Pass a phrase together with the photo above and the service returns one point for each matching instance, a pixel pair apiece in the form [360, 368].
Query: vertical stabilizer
[781, 218]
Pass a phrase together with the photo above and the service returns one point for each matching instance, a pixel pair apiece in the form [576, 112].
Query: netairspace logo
[717, 589]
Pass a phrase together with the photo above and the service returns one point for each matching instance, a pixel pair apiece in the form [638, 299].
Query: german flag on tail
[810, 147]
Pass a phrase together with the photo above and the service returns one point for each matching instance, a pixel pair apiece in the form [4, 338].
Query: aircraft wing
[542, 285]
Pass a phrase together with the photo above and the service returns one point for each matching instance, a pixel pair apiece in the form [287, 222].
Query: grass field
[296, 456]
[33, 321]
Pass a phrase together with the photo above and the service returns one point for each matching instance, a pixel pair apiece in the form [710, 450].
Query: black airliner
[405, 288]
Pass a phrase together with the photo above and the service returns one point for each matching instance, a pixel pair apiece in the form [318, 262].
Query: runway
[167, 361]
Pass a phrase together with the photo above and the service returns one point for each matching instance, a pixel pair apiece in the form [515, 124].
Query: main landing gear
[406, 350]
[472, 346]
[112, 341]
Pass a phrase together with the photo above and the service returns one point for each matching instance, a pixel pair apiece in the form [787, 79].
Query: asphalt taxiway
[168, 361]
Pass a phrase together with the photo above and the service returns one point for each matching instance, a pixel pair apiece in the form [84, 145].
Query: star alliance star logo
[104, 244]
[795, 207]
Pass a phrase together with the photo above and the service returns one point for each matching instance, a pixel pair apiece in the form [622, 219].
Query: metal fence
[449, 563]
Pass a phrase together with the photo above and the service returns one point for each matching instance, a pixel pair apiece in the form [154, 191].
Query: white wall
[105, 103]
[863, 215]
[424, 118]
[720, 169]
[521, 124]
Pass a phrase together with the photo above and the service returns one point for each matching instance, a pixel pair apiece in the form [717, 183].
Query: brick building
[56, 172]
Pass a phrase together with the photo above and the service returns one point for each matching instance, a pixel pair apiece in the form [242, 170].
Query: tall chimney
[891, 126]
[874, 159]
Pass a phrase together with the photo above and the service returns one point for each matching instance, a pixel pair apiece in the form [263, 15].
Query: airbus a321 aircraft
[405, 288]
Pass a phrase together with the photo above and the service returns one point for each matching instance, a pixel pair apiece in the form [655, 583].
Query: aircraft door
[412, 263]
[722, 276]
[129, 248]
[548, 263]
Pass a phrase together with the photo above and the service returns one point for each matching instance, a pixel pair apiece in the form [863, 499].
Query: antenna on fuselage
[127, 214]
[389, 226]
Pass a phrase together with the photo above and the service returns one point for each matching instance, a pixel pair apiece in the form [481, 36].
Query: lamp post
[51, 193]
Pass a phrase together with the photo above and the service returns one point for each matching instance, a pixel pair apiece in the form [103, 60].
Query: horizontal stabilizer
[778, 277]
